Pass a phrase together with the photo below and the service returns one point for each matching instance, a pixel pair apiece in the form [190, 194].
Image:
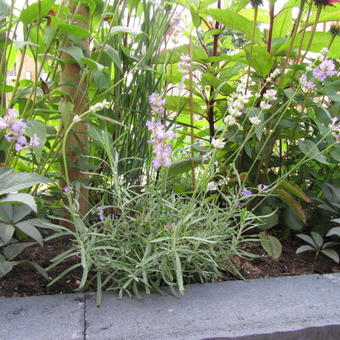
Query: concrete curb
[297, 307]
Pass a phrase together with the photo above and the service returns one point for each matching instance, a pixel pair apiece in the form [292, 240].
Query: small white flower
[212, 186]
[257, 95]
[270, 95]
[309, 68]
[265, 105]
[217, 143]
[76, 118]
[254, 120]
[235, 112]
[230, 120]
[324, 51]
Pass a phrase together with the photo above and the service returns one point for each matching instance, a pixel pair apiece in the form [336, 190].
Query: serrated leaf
[332, 254]
[270, 244]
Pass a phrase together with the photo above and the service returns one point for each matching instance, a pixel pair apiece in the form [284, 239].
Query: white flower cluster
[184, 64]
[217, 143]
[237, 102]
[269, 97]
[254, 120]
[100, 106]
[335, 128]
[273, 76]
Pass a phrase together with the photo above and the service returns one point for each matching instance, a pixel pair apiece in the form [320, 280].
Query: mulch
[25, 281]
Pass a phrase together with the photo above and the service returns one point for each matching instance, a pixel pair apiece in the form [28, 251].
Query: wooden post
[77, 142]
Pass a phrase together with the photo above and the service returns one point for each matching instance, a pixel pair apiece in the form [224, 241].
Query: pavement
[295, 307]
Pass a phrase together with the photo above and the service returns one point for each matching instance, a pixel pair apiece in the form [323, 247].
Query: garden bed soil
[25, 281]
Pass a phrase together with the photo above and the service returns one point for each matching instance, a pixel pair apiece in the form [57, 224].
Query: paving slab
[57, 317]
[297, 307]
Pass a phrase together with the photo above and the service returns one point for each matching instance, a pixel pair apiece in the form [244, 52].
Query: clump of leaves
[16, 223]
[316, 244]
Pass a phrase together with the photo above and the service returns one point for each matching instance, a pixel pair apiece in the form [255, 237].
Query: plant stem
[193, 179]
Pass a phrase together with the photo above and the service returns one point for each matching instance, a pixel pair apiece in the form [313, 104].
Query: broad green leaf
[262, 14]
[5, 267]
[6, 232]
[237, 5]
[75, 52]
[236, 22]
[36, 127]
[113, 55]
[181, 105]
[334, 232]
[183, 166]
[283, 23]
[35, 11]
[75, 30]
[332, 254]
[28, 228]
[307, 239]
[293, 220]
[317, 45]
[304, 248]
[14, 249]
[318, 240]
[20, 211]
[92, 64]
[4, 172]
[260, 59]
[311, 150]
[271, 245]
[20, 198]
[101, 79]
[18, 181]
[332, 90]
[269, 217]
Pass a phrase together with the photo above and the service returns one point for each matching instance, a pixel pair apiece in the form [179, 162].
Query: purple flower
[161, 149]
[18, 128]
[67, 189]
[35, 141]
[324, 70]
[246, 193]
[156, 103]
[262, 187]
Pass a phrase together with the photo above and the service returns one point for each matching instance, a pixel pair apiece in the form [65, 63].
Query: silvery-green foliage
[16, 218]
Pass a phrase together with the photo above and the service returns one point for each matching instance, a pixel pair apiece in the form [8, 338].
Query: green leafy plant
[316, 244]
[16, 222]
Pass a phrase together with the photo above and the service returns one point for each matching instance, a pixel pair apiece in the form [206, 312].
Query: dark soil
[25, 281]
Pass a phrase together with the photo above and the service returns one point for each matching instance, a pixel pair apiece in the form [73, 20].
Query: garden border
[292, 307]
